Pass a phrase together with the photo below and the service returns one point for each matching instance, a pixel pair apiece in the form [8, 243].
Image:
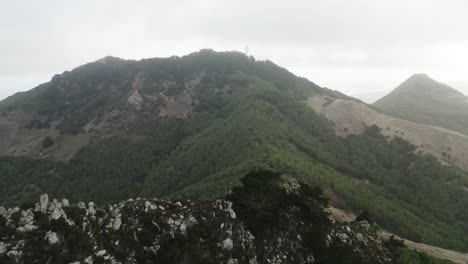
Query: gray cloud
[350, 45]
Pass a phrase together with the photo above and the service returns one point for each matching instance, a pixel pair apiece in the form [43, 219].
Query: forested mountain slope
[192, 126]
[426, 101]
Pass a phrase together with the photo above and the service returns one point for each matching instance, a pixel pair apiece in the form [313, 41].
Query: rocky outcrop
[133, 231]
[177, 231]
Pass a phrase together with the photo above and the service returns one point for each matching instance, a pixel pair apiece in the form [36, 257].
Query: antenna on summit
[246, 50]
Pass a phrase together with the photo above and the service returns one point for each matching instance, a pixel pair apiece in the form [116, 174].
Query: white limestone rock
[30, 227]
[101, 253]
[13, 253]
[3, 211]
[81, 205]
[91, 209]
[88, 260]
[27, 217]
[135, 99]
[227, 244]
[51, 237]
[231, 211]
[117, 223]
[150, 206]
[56, 213]
[183, 228]
[3, 248]
[65, 203]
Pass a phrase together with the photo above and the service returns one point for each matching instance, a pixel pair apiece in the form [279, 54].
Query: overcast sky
[355, 46]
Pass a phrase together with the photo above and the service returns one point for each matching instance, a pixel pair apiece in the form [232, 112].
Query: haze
[358, 47]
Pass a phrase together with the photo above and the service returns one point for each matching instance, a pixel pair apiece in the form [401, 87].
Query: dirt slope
[351, 117]
[16, 139]
[341, 216]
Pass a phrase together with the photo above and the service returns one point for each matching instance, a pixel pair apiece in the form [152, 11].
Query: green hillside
[246, 115]
[424, 100]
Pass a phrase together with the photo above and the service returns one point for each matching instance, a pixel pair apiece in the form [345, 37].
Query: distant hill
[192, 126]
[423, 100]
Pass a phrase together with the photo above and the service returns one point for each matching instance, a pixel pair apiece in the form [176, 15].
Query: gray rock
[13, 253]
[231, 211]
[3, 248]
[56, 213]
[91, 209]
[117, 223]
[30, 227]
[227, 244]
[88, 260]
[183, 228]
[101, 253]
[149, 206]
[51, 237]
[3, 211]
[27, 217]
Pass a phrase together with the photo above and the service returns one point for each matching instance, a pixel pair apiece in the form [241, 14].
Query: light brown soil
[341, 215]
[16, 139]
[436, 252]
[351, 118]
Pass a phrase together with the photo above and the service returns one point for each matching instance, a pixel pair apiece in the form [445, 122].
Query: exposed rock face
[94, 105]
[165, 231]
[131, 231]
[135, 99]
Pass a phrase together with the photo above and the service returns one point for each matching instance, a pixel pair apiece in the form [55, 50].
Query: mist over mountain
[460, 86]
[424, 100]
[370, 97]
[191, 127]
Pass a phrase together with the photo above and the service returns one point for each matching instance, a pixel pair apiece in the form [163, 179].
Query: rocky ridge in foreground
[282, 222]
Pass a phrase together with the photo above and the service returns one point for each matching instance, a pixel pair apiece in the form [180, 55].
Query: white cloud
[350, 45]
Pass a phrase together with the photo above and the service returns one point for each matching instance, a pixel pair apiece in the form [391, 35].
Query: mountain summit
[422, 85]
[424, 100]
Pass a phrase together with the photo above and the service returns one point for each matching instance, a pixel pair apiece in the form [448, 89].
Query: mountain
[423, 100]
[270, 219]
[192, 126]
